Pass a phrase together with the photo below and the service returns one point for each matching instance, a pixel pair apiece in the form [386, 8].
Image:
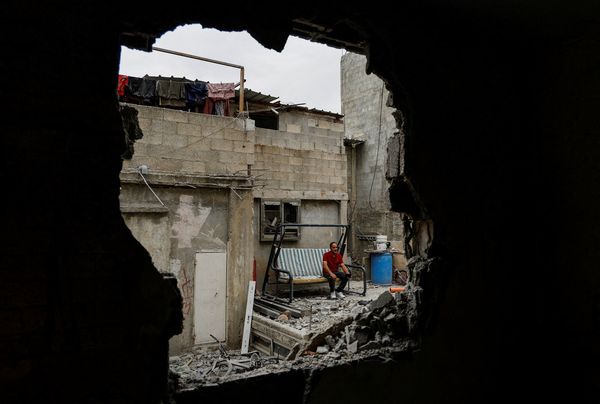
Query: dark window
[276, 212]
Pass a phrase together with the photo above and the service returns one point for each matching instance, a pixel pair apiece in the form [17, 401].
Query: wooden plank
[248, 317]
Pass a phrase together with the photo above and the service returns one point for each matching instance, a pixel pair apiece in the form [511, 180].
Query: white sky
[304, 72]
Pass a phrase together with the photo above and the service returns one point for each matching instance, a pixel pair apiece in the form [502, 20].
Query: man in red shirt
[333, 268]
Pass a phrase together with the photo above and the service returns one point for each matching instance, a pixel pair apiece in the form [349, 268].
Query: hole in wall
[196, 163]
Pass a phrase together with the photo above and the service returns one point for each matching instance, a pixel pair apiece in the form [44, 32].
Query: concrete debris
[330, 341]
[353, 347]
[332, 333]
[383, 300]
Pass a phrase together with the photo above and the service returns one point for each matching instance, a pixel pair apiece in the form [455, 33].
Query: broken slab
[383, 300]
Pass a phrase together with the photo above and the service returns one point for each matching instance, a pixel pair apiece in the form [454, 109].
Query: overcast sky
[304, 72]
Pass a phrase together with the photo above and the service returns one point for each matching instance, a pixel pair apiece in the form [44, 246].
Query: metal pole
[241, 88]
[219, 62]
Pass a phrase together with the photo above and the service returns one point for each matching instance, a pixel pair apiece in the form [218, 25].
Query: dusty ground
[372, 326]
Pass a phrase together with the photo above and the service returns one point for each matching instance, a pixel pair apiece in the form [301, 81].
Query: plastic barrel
[381, 268]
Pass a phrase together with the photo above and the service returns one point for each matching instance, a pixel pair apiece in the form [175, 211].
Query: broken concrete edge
[405, 351]
[319, 338]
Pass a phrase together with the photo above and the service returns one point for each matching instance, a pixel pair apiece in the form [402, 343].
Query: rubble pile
[343, 331]
[211, 367]
[387, 321]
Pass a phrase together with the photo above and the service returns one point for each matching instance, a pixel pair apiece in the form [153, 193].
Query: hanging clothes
[221, 91]
[219, 96]
[195, 95]
[171, 93]
[147, 90]
[122, 84]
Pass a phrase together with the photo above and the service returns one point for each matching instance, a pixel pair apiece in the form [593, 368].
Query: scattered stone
[322, 349]
[370, 345]
[353, 347]
[341, 342]
[389, 317]
[356, 310]
[362, 335]
[330, 341]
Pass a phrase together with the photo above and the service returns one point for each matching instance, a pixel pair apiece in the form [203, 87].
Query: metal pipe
[219, 62]
[241, 88]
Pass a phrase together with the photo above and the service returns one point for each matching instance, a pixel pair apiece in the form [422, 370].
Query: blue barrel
[381, 268]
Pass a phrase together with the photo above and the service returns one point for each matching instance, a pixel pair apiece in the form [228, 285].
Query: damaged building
[498, 113]
[202, 193]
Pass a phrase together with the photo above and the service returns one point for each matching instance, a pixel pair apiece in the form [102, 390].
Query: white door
[210, 296]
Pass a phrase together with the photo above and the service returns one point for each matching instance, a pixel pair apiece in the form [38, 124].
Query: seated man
[332, 262]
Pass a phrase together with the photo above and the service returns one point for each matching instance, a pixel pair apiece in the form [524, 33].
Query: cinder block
[163, 126]
[221, 144]
[236, 169]
[243, 147]
[271, 184]
[272, 149]
[287, 185]
[198, 143]
[175, 116]
[196, 167]
[293, 128]
[139, 149]
[152, 137]
[300, 186]
[263, 140]
[337, 127]
[155, 113]
[145, 124]
[295, 161]
[188, 129]
[171, 165]
[278, 142]
[171, 139]
[198, 119]
[293, 144]
[278, 175]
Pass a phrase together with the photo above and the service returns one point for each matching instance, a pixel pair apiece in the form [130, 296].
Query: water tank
[381, 268]
[380, 242]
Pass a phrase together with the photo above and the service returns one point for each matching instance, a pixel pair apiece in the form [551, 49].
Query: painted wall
[195, 219]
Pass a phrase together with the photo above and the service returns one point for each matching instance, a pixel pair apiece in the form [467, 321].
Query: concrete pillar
[240, 253]
[343, 212]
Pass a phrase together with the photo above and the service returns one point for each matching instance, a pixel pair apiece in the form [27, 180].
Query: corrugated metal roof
[255, 96]
[312, 110]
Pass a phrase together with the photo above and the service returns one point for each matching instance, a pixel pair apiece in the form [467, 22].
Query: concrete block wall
[180, 141]
[300, 162]
[366, 117]
[295, 121]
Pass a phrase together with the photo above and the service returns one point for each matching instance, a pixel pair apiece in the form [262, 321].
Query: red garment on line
[121, 84]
